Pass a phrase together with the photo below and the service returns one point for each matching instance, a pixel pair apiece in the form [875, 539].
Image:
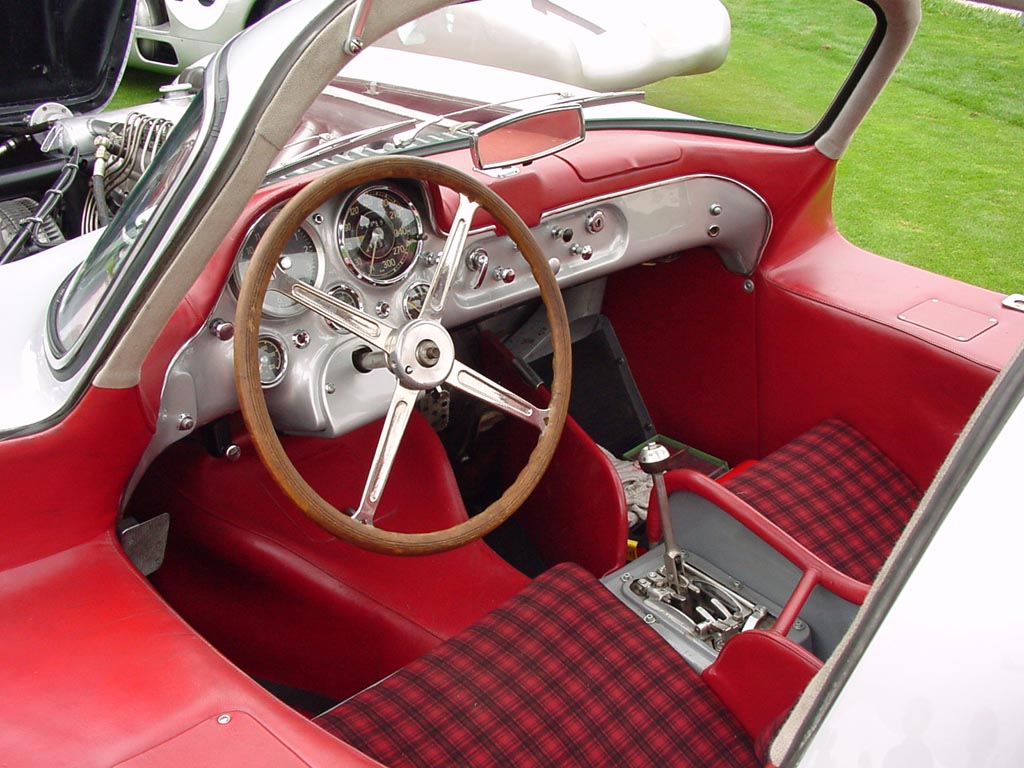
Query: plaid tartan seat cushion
[836, 493]
[562, 674]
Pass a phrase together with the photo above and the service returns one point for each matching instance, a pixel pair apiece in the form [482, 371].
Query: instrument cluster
[370, 249]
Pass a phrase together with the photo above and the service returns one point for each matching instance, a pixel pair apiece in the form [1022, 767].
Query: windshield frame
[66, 360]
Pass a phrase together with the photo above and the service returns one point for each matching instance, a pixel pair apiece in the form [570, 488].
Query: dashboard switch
[583, 251]
[477, 261]
[504, 274]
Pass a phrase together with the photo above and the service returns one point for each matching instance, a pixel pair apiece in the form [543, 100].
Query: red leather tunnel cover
[836, 493]
[562, 674]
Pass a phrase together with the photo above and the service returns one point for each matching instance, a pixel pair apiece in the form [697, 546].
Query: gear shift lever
[653, 459]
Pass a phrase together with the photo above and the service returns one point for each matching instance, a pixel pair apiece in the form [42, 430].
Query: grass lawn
[138, 87]
[935, 175]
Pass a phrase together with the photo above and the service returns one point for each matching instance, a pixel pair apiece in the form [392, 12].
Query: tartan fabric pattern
[562, 674]
[836, 493]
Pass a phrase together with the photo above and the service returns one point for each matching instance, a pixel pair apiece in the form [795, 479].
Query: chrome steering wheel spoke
[451, 256]
[358, 323]
[473, 383]
[403, 401]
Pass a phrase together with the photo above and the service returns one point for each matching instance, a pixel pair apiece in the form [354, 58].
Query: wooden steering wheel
[420, 355]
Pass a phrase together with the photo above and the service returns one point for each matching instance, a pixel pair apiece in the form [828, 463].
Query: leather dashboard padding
[758, 676]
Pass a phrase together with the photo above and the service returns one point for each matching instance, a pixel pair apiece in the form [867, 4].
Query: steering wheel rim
[255, 284]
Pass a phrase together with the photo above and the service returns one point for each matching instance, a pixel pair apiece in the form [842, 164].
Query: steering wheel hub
[423, 355]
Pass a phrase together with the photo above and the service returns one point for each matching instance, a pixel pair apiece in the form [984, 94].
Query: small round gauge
[346, 295]
[380, 234]
[412, 303]
[273, 360]
[301, 258]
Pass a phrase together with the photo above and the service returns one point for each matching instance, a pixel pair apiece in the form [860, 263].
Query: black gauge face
[346, 295]
[273, 360]
[380, 234]
[301, 259]
[412, 304]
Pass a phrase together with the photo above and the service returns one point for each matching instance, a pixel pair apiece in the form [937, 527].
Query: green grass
[138, 87]
[935, 175]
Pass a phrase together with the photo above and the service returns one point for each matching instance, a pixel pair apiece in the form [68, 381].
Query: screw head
[224, 719]
[649, 618]
[186, 423]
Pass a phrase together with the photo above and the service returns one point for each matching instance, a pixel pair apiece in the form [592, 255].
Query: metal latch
[1014, 301]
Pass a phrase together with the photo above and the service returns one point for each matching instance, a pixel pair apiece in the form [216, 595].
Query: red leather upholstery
[237, 540]
[98, 670]
[759, 675]
[561, 675]
[834, 492]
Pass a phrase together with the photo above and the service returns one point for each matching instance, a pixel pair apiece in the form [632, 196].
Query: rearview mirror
[521, 138]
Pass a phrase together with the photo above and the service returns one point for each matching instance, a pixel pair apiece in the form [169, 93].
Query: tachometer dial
[301, 258]
[380, 234]
[346, 294]
[273, 360]
[412, 303]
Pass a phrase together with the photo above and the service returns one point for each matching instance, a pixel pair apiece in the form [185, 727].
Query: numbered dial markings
[301, 258]
[380, 234]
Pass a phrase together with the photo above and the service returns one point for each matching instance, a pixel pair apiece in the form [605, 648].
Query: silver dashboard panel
[324, 394]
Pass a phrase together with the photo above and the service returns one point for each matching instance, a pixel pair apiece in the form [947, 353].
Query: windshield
[87, 287]
[769, 70]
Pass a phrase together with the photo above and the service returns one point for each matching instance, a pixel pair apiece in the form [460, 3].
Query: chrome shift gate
[705, 609]
[690, 599]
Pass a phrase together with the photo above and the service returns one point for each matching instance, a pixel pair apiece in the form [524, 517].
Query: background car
[171, 34]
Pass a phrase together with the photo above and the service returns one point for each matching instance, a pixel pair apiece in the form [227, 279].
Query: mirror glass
[525, 137]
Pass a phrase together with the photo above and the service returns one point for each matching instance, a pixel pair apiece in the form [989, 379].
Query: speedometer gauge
[380, 234]
[301, 258]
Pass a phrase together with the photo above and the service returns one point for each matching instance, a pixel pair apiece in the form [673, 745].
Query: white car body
[590, 44]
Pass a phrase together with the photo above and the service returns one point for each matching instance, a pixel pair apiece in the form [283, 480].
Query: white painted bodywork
[942, 682]
[28, 390]
[604, 45]
[596, 44]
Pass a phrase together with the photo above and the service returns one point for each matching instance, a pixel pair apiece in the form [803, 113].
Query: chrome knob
[583, 251]
[504, 274]
[222, 329]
